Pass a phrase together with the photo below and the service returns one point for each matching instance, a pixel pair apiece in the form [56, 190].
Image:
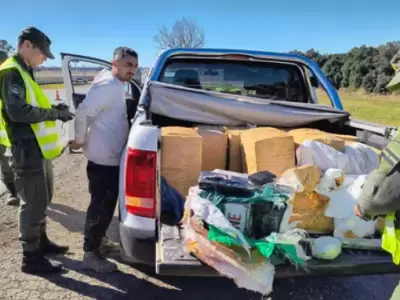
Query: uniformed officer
[7, 176]
[28, 127]
[380, 195]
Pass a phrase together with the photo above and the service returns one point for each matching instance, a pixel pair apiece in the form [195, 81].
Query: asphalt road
[65, 225]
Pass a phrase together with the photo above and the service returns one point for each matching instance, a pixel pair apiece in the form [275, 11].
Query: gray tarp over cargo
[234, 110]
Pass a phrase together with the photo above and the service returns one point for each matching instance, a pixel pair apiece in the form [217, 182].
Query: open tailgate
[173, 259]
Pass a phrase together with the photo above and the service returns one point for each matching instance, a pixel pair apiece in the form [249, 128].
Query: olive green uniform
[33, 173]
[381, 191]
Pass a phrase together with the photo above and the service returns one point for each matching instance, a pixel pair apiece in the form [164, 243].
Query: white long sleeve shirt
[101, 122]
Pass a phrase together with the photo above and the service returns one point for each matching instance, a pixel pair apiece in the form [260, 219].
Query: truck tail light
[140, 182]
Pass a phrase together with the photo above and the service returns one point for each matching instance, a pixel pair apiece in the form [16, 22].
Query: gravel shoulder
[65, 224]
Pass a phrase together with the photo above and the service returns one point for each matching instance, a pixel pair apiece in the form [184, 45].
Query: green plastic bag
[270, 193]
[269, 247]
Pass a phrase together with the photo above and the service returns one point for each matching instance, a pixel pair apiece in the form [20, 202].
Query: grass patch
[52, 86]
[374, 108]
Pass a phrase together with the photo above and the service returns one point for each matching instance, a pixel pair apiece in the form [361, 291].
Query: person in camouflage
[380, 195]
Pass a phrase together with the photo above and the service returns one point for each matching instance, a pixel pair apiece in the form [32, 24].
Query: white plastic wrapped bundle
[357, 158]
[341, 208]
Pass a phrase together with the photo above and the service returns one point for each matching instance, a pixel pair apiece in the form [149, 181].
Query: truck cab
[286, 81]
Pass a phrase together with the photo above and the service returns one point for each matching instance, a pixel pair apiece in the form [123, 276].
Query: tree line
[363, 67]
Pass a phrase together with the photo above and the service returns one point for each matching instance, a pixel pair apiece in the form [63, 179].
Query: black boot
[37, 263]
[48, 247]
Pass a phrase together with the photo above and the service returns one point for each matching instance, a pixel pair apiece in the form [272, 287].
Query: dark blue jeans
[103, 189]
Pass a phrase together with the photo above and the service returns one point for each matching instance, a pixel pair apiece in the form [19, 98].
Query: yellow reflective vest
[391, 234]
[46, 132]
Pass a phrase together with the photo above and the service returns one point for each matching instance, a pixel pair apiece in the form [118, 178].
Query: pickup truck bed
[173, 259]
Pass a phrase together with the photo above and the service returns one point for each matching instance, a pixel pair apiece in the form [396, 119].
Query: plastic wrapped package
[248, 261]
[303, 178]
[226, 182]
[181, 157]
[357, 158]
[257, 214]
[235, 153]
[326, 247]
[313, 223]
[332, 180]
[309, 134]
[343, 199]
[354, 227]
[215, 144]
[348, 138]
[341, 208]
[307, 211]
[267, 149]
[255, 275]
[377, 151]
[248, 268]
[209, 213]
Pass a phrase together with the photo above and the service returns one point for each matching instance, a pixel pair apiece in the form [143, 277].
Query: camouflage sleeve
[14, 101]
[380, 194]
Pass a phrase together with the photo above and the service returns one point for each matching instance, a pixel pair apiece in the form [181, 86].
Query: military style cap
[3, 56]
[37, 38]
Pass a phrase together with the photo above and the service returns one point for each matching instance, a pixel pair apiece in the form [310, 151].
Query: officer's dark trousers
[103, 189]
[34, 183]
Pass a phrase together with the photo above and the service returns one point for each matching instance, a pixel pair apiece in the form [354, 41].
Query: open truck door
[76, 66]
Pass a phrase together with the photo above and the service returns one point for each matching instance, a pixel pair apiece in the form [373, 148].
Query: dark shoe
[48, 247]
[94, 261]
[12, 200]
[36, 263]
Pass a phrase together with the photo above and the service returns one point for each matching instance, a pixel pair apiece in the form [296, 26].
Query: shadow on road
[122, 285]
[127, 286]
[74, 220]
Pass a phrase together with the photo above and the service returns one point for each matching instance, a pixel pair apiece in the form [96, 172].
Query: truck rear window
[275, 81]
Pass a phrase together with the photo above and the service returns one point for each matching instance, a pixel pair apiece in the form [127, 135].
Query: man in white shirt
[101, 129]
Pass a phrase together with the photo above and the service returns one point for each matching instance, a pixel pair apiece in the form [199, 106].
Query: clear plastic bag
[256, 276]
[341, 208]
[208, 212]
[356, 159]
[248, 270]
[326, 247]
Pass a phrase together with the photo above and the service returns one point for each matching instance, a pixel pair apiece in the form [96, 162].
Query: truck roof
[174, 51]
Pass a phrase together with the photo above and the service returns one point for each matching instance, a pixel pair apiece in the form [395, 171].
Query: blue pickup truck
[188, 87]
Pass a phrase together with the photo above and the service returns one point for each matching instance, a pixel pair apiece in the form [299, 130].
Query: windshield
[275, 81]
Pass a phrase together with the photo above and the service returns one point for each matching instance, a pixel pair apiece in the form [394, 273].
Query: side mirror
[314, 82]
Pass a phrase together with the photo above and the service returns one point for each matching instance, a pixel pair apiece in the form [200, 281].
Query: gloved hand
[359, 213]
[60, 106]
[65, 115]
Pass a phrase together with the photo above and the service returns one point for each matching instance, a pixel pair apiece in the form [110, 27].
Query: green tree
[5, 46]
[361, 67]
[369, 82]
[332, 70]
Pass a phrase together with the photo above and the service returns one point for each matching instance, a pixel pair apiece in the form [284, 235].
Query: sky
[96, 27]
